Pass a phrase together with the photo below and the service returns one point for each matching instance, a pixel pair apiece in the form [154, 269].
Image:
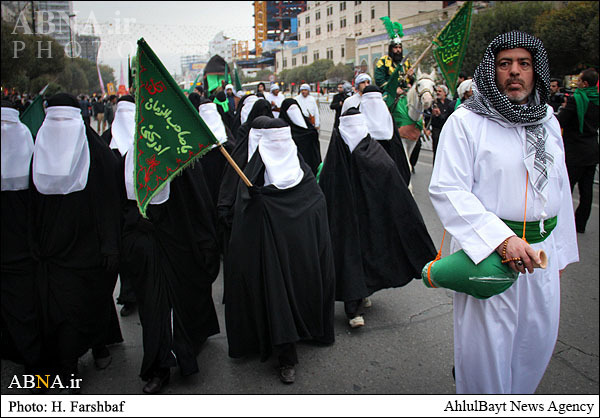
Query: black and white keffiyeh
[487, 100]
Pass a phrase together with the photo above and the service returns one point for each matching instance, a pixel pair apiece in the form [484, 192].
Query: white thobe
[277, 99]
[309, 107]
[502, 344]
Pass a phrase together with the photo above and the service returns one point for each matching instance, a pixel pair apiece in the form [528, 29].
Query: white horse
[419, 98]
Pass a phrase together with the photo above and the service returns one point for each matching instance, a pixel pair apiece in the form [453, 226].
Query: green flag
[451, 44]
[238, 84]
[193, 86]
[169, 132]
[34, 115]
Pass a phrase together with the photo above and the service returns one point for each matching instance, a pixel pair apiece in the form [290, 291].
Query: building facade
[274, 18]
[331, 29]
[221, 45]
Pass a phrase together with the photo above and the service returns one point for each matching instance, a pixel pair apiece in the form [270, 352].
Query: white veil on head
[17, 150]
[61, 155]
[210, 115]
[296, 116]
[280, 156]
[353, 128]
[379, 120]
[123, 127]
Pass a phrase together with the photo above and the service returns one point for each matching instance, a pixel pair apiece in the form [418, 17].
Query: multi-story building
[330, 29]
[221, 45]
[274, 18]
[193, 63]
[87, 47]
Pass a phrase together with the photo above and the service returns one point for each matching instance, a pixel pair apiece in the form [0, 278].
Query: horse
[419, 98]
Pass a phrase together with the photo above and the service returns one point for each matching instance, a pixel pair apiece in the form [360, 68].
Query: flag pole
[235, 166]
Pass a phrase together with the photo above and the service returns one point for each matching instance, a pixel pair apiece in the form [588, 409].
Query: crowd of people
[307, 232]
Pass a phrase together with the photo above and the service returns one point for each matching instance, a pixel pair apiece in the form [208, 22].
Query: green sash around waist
[533, 233]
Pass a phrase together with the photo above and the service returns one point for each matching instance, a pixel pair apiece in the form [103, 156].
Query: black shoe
[127, 309]
[287, 374]
[156, 384]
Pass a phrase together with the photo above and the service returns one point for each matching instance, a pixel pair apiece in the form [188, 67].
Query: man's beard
[397, 57]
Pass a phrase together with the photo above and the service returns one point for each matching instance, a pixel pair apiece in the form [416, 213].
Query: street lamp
[71, 15]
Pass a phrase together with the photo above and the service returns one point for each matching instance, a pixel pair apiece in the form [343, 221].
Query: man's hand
[516, 247]
[436, 111]
[399, 91]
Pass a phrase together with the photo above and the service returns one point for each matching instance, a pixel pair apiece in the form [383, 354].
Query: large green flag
[34, 115]
[451, 44]
[169, 132]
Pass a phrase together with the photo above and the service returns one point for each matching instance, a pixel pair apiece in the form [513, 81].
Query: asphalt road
[405, 347]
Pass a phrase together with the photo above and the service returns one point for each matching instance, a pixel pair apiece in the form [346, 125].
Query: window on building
[330, 27]
[298, 35]
[356, 3]
[315, 55]
[304, 59]
[293, 62]
[307, 20]
[357, 18]
[343, 22]
[343, 51]
[329, 53]
[329, 10]
[317, 15]
[372, 29]
[372, 13]
[284, 62]
[318, 30]
[342, 6]
[307, 34]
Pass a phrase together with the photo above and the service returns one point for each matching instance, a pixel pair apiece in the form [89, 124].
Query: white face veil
[296, 116]
[123, 127]
[280, 156]
[247, 108]
[353, 129]
[17, 149]
[161, 197]
[379, 119]
[61, 155]
[253, 139]
[210, 115]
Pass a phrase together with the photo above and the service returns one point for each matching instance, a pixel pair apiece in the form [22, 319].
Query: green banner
[238, 84]
[34, 115]
[451, 44]
[169, 132]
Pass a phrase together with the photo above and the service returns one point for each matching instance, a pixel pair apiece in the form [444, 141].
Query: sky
[171, 28]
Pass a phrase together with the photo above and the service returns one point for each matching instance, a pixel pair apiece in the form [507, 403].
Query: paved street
[405, 347]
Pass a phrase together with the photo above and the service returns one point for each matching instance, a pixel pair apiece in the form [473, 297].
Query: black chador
[21, 339]
[120, 138]
[74, 234]
[230, 181]
[382, 128]
[281, 284]
[378, 235]
[173, 259]
[237, 119]
[305, 135]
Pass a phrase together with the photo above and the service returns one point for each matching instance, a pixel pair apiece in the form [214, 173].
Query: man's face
[275, 92]
[441, 94]
[261, 88]
[468, 93]
[514, 74]
[554, 87]
[580, 83]
[363, 85]
[229, 92]
[397, 49]
[304, 93]
[340, 88]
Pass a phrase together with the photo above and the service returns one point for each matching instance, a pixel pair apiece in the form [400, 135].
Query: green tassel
[393, 28]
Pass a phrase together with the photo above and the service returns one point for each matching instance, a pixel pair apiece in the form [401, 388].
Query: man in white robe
[276, 98]
[308, 105]
[361, 82]
[501, 158]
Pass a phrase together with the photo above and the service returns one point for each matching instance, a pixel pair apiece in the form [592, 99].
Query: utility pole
[33, 15]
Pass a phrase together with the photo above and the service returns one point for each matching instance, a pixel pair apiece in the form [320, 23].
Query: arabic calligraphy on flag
[451, 44]
[170, 133]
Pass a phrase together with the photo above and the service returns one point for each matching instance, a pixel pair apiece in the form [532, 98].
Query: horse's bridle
[426, 90]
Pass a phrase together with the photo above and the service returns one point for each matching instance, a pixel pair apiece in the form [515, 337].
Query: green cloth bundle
[488, 278]
[582, 99]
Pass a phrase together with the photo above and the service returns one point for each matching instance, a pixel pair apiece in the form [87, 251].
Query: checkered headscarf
[488, 101]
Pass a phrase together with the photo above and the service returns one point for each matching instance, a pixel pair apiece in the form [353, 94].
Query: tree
[340, 72]
[317, 71]
[571, 37]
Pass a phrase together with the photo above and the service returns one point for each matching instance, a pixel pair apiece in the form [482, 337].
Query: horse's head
[425, 88]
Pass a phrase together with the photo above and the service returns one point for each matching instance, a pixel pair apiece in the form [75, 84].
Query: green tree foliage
[317, 71]
[502, 17]
[571, 37]
[340, 72]
[28, 65]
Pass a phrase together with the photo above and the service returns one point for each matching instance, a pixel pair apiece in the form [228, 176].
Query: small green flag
[34, 115]
[238, 84]
[451, 44]
[193, 86]
[169, 132]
